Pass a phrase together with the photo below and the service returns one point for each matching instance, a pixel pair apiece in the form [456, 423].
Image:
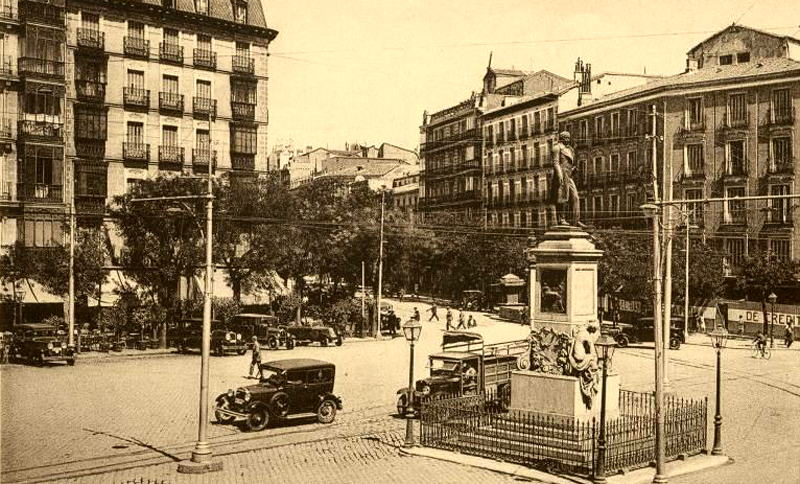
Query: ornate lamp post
[772, 298]
[411, 330]
[719, 337]
[606, 348]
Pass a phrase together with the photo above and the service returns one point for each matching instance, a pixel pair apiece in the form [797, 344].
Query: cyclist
[761, 342]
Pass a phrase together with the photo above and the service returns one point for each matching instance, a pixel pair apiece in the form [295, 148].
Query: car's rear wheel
[272, 343]
[339, 341]
[71, 362]
[326, 412]
[289, 344]
[257, 420]
[324, 342]
[622, 340]
[219, 351]
[241, 351]
[222, 417]
[674, 344]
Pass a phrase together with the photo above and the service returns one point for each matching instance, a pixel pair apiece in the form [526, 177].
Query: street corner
[674, 469]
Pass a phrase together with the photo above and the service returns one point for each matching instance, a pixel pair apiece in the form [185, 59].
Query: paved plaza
[120, 419]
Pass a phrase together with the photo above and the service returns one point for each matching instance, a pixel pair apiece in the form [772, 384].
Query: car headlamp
[239, 336]
[49, 346]
[231, 393]
[246, 396]
[426, 390]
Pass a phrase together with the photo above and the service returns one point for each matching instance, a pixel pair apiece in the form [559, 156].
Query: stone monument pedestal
[560, 396]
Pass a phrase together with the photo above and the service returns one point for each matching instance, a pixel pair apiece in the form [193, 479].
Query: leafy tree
[91, 253]
[17, 265]
[706, 275]
[764, 273]
[162, 245]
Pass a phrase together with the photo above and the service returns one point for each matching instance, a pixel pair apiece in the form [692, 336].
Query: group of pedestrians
[463, 323]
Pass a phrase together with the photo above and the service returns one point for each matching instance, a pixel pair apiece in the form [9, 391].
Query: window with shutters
[170, 84]
[695, 208]
[171, 36]
[735, 209]
[781, 106]
[694, 159]
[631, 162]
[136, 79]
[737, 110]
[44, 44]
[736, 158]
[201, 6]
[204, 89]
[90, 21]
[240, 13]
[135, 133]
[779, 207]
[781, 248]
[169, 135]
[203, 140]
[42, 102]
[204, 42]
[243, 92]
[781, 154]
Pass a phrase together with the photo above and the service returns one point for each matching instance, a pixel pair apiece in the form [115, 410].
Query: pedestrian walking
[432, 310]
[701, 324]
[788, 337]
[416, 316]
[448, 319]
[741, 323]
[462, 323]
[402, 294]
[255, 363]
[471, 323]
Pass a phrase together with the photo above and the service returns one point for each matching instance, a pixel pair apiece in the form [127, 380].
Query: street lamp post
[689, 228]
[411, 330]
[719, 337]
[380, 273]
[772, 298]
[607, 346]
[651, 211]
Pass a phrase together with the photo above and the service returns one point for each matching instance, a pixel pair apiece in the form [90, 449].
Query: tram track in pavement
[790, 388]
[377, 418]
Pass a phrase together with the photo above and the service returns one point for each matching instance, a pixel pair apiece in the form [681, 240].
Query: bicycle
[765, 353]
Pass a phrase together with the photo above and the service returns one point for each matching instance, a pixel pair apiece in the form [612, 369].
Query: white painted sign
[752, 316]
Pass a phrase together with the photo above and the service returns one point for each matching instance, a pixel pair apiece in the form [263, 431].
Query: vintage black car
[324, 335]
[473, 300]
[641, 331]
[190, 337]
[40, 344]
[268, 329]
[288, 389]
[390, 322]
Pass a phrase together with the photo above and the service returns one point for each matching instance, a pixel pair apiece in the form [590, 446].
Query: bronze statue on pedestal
[563, 192]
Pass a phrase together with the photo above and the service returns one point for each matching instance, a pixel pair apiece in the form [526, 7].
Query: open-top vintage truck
[466, 366]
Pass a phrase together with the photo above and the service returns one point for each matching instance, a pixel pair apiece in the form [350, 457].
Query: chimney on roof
[583, 75]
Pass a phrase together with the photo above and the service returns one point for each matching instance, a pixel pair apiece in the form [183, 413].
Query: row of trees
[328, 229]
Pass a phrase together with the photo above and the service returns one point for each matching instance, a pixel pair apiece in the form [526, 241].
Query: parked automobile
[40, 344]
[641, 331]
[288, 389]
[268, 329]
[467, 366]
[190, 337]
[324, 335]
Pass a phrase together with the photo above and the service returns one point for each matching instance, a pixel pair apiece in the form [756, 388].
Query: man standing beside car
[255, 363]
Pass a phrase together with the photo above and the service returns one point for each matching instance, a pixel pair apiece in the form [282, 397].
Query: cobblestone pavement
[367, 459]
[115, 414]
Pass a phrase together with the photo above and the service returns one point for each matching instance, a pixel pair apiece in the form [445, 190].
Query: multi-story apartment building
[450, 160]
[105, 93]
[32, 115]
[519, 137]
[726, 127]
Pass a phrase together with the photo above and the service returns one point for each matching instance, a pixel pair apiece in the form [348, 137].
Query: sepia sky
[361, 70]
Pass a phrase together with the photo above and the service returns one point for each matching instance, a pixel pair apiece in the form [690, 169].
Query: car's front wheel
[257, 420]
[339, 341]
[71, 362]
[326, 412]
[272, 342]
[402, 404]
[674, 344]
[223, 418]
[241, 351]
[622, 340]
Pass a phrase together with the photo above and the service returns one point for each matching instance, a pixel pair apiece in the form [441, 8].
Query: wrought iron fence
[476, 425]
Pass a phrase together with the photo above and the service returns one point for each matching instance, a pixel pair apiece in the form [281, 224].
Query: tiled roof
[708, 75]
[371, 168]
[510, 72]
[735, 27]
[222, 10]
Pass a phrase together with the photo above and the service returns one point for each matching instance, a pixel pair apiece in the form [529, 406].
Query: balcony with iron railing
[136, 151]
[692, 125]
[170, 103]
[695, 171]
[243, 110]
[6, 129]
[204, 108]
[784, 166]
[40, 130]
[7, 192]
[242, 161]
[512, 135]
[8, 12]
[779, 213]
[90, 204]
[90, 91]
[32, 66]
[40, 192]
[170, 156]
[135, 98]
[735, 122]
[524, 132]
[170, 53]
[49, 13]
[736, 168]
[203, 156]
[91, 39]
[243, 64]
[205, 59]
[489, 140]
[7, 66]
[783, 116]
[136, 47]
[536, 128]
